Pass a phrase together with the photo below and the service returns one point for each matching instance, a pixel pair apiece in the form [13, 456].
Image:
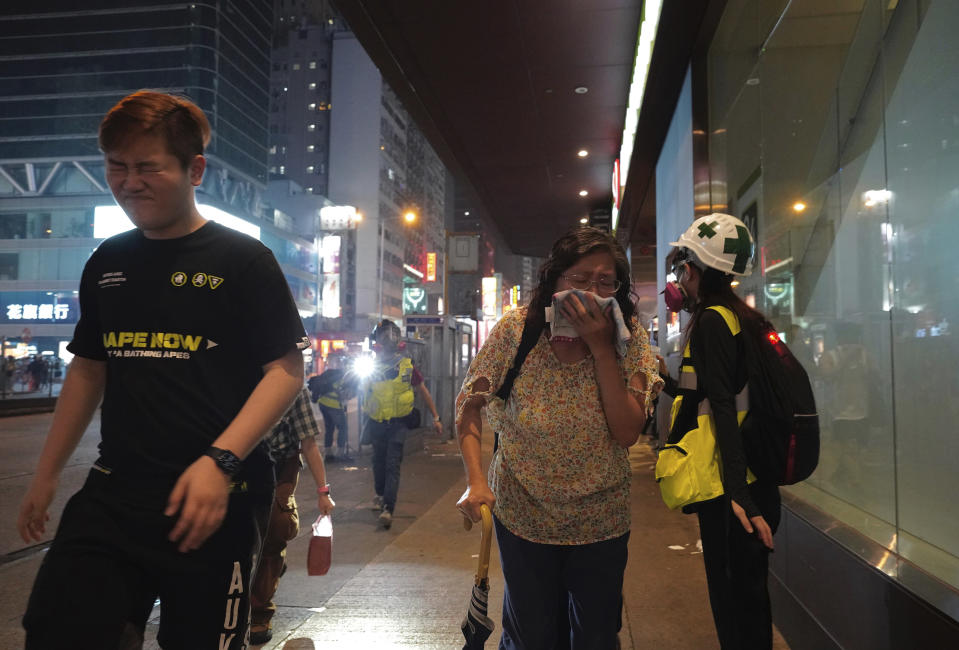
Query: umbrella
[477, 626]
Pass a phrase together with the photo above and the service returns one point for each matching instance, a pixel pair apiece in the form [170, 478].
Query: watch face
[227, 461]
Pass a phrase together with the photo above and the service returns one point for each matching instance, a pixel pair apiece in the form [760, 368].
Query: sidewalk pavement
[415, 592]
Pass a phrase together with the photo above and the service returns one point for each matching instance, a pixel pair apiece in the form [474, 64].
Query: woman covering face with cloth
[559, 480]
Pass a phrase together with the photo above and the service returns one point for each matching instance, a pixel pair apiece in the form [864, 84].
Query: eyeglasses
[583, 282]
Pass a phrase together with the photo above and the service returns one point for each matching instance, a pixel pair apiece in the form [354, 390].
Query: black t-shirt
[185, 326]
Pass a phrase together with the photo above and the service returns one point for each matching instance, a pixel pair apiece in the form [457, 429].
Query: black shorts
[111, 559]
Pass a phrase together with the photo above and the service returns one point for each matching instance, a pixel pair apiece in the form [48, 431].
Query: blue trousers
[559, 596]
[387, 438]
[334, 419]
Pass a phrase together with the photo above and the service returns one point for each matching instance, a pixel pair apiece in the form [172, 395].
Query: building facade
[382, 165]
[64, 68]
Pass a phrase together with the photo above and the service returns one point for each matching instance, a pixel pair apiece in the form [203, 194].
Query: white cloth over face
[560, 326]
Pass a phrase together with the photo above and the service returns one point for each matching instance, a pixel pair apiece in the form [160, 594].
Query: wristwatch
[226, 460]
[436, 419]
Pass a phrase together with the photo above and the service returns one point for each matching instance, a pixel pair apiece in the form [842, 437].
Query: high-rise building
[382, 164]
[64, 67]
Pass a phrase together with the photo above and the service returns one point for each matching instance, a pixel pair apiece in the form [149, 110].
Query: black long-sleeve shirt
[719, 360]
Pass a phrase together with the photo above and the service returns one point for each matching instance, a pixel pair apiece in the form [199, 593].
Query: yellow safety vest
[391, 398]
[331, 399]
[689, 471]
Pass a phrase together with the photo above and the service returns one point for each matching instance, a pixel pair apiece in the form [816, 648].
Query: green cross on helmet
[720, 241]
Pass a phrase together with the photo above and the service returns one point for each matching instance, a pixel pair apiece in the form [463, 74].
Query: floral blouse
[559, 476]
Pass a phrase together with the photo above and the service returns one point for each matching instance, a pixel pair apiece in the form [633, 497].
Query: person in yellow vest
[702, 468]
[332, 392]
[388, 404]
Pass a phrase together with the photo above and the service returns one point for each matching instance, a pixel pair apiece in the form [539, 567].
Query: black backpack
[781, 431]
[324, 383]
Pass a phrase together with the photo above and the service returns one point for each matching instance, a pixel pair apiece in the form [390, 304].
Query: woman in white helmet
[737, 515]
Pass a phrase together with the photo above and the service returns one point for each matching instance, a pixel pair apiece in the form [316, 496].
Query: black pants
[559, 597]
[110, 560]
[388, 438]
[737, 567]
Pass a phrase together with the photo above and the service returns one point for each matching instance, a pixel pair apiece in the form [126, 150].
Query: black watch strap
[228, 462]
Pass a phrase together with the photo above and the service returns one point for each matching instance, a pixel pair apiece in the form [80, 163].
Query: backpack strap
[526, 343]
[732, 321]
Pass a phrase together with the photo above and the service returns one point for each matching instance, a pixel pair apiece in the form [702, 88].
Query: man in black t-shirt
[189, 334]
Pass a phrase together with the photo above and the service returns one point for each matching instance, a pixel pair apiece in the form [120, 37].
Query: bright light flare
[363, 366]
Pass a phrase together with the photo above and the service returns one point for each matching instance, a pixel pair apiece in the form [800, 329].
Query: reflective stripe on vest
[690, 471]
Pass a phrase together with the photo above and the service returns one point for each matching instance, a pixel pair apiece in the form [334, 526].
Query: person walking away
[559, 480]
[738, 521]
[176, 504]
[294, 435]
[333, 395]
[388, 403]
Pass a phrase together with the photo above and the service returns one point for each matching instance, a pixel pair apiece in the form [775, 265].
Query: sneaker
[385, 519]
[329, 458]
[260, 635]
[378, 502]
[346, 458]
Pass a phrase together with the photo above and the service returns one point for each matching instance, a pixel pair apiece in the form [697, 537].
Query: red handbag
[320, 553]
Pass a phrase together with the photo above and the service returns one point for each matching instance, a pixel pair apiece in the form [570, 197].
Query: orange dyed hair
[177, 120]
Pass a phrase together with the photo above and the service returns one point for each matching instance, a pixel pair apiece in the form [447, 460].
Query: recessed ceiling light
[580, 90]
[583, 192]
[584, 220]
[582, 153]
[467, 213]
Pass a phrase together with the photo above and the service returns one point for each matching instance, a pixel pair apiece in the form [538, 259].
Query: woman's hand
[325, 504]
[475, 496]
[757, 523]
[593, 324]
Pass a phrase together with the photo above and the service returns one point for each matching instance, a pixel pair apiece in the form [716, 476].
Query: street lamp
[409, 217]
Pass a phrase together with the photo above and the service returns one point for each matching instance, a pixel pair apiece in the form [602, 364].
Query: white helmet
[720, 241]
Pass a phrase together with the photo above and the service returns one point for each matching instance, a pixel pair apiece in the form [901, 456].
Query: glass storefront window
[837, 142]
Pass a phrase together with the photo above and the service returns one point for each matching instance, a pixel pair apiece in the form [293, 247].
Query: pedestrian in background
[177, 502]
[559, 480]
[331, 390]
[294, 435]
[738, 523]
[388, 404]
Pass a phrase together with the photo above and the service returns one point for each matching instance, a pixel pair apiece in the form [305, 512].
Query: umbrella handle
[482, 570]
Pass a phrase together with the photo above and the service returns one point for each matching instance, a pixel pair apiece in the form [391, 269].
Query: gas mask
[676, 297]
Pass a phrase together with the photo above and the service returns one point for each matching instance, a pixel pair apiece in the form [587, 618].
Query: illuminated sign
[490, 287]
[409, 269]
[110, 220]
[38, 312]
[431, 267]
[26, 307]
[414, 300]
[331, 295]
[514, 296]
[330, 254]
[338, 217]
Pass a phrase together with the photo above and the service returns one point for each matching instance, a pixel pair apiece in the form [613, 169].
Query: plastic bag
[320, 552]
